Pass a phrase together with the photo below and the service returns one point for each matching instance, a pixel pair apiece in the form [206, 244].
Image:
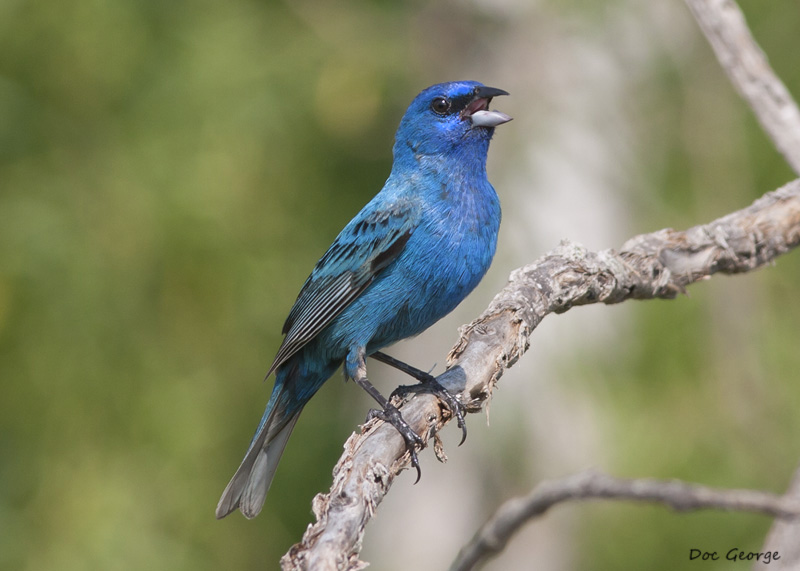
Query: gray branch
[493, 536]
[748, 69]
[784, 534]
[649, 266]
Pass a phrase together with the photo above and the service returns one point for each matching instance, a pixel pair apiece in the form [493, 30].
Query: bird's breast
[452, 248]
[448, 252]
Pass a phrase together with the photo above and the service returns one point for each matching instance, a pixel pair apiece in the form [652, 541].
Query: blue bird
[407, 259]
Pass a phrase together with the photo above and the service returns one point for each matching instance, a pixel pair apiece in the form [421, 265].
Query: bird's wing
[368, 244]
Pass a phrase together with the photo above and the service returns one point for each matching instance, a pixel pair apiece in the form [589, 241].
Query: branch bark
[492, 537]
[657, 265]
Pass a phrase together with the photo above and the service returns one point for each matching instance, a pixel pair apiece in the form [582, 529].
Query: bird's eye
[440, 105]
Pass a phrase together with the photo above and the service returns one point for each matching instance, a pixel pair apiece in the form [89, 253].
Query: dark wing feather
[365, 247]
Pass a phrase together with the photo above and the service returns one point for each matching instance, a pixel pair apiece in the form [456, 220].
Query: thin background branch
[657, 265]
[747, 67]
[493, 536]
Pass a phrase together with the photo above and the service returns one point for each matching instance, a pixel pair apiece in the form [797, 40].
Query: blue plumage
[408, 258]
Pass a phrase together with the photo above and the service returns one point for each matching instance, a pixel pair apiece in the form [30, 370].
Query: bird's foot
[431, 384]
[435, 387]
[392, 415]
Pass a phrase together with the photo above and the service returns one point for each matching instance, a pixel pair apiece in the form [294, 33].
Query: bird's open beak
[478, 109]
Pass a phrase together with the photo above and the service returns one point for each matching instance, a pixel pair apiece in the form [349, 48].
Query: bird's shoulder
[370, 242]
[367, 240]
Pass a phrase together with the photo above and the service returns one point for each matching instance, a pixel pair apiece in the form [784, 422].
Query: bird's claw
[456, 408]
[435, 387]
[392, 415]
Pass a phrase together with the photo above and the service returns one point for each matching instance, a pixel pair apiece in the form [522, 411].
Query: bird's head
[449, 116]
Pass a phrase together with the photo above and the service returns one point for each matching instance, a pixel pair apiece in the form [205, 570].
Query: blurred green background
[169, 174]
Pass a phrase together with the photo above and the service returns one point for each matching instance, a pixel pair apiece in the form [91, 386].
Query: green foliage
[168, 174]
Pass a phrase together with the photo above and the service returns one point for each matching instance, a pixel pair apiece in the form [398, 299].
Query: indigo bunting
[407, 259]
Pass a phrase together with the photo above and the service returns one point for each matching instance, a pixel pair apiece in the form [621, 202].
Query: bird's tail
[295, 384]
[249, 485]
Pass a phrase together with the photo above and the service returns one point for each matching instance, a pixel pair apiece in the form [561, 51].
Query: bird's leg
[356, 367]
[455, 406]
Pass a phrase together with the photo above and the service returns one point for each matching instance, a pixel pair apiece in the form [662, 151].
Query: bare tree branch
[748, 69]
[492, 537]
[657, 265]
